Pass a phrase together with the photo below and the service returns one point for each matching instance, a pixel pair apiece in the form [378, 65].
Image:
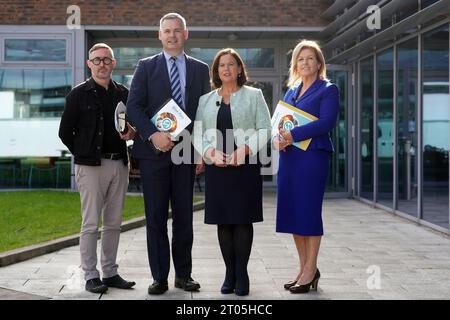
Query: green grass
[31, 217]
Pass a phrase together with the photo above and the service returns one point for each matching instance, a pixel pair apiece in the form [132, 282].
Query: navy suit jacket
[150, 88]
[321, 100]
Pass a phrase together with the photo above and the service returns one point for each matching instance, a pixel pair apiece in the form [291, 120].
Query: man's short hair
[101, 46]
[173, 15]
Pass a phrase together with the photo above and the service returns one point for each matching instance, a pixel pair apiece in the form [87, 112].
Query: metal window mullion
[351, 143]
[449, 134]
[395, 130]
[375, 129]
[358, 133]
[419, 130]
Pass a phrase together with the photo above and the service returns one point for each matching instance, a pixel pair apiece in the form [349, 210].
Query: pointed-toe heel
[290, 284]
[304, 288]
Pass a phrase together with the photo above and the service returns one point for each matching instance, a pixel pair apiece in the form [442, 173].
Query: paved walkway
[366, 253]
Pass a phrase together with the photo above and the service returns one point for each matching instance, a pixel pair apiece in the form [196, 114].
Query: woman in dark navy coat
[302, 175]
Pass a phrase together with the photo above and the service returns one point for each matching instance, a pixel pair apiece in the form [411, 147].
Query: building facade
[390, 60]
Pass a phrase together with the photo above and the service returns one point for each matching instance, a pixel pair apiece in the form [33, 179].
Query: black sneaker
[96, 286]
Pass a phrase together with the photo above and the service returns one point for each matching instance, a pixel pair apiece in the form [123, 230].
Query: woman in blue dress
[302, 175]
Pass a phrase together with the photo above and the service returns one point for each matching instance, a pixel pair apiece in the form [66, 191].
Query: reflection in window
[253, 57]
[385, 127]
[267, 90]
[435, 89]
[127, 58]
[366, 129]
[123, 79]
[407, 103]
[34, 93]
[409, 8]
[35, 50]
[338, 170]
[426, 3]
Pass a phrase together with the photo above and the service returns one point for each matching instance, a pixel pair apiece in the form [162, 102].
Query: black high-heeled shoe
[304, 288]
[290, 284]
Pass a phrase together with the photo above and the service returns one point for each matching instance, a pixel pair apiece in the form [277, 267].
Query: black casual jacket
[81, 127]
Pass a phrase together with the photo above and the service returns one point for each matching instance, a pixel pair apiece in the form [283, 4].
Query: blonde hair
[294, 75]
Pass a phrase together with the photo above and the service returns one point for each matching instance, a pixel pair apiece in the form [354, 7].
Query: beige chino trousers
[102, 193]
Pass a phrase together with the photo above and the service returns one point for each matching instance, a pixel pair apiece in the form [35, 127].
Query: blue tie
[175, 82]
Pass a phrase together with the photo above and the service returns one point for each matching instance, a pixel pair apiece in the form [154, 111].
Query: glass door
[339, 165]
[271, 92]
[366, 129]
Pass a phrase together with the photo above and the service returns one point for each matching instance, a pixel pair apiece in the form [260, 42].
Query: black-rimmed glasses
[106, 61]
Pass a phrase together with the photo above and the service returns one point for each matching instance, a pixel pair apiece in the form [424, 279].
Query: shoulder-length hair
[294, 74]
[215, 79]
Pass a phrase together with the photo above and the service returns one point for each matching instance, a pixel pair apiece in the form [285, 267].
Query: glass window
[35, 172]
[426, 3]
[435, 87]
[337, 179]
[36, 50]
[366, 129]
[409, 8]
[267, 90]
[124, 79]
[253, 57]
[34, 93]
[127, 58]
[407, 103]
[385, 127]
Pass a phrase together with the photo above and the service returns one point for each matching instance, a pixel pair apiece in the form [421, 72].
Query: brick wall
[292, 13]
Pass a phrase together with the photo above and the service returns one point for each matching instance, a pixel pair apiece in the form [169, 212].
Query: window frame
[37, 36]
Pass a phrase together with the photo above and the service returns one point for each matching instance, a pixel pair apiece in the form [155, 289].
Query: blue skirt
[302, 177]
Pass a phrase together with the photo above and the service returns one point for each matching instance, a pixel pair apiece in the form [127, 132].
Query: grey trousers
[102, 192]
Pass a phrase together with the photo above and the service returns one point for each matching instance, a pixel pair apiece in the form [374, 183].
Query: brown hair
[294, 75]
[215, 79]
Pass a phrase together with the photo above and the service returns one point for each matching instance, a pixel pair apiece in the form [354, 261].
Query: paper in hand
[120, 118]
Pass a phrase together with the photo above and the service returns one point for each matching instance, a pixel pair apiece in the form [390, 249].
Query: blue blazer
[150, 88]
[322, 101]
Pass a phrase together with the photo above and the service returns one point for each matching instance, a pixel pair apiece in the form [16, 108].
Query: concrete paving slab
[413, 261]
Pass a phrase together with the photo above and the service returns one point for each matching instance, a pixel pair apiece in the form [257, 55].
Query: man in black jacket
[100, 152]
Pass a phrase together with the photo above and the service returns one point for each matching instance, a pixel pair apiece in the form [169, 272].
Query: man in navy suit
[162, 180]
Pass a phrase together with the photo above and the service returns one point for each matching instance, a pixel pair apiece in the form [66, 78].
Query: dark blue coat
[150, 88]
[322, 101]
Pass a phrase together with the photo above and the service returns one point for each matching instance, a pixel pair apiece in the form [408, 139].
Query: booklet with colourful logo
[287, 117]
[171, 118]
